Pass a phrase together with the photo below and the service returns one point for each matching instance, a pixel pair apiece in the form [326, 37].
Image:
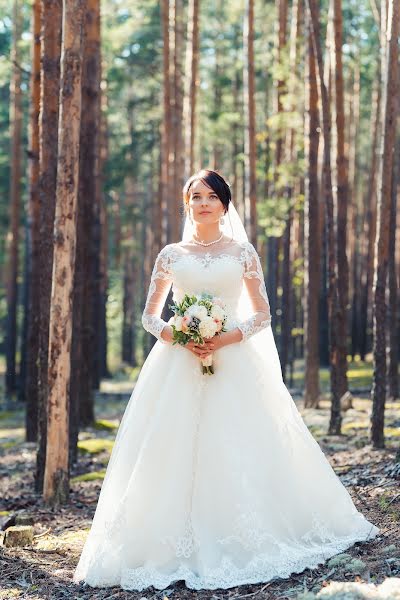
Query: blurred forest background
[295, 102]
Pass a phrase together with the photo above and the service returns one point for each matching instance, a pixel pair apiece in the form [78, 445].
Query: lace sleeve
[160, 284]
[255, 284]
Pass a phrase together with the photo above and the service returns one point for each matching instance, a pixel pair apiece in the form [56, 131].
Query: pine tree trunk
[166, 133]
[393, 374]
[15, 200]
[341, 201]
[250, 121]
[237, 107]
[128, 305]
[117, 228]
[33, 321]
[389, 117]
[290, 157]
[281, 36]
[56, 479]
[190, 95]
[218, 68]
[312, 242]
[104, 371]
[88, 174]
[51, 16]
[177, 144]
[333, 300]
[355, 216]
[369, 226]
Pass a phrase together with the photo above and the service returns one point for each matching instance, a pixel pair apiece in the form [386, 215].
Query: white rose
[178, 323]
[208, 327]
[217, 312]
[198, 311]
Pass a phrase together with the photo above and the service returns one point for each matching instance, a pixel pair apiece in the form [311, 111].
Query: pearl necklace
[209, 243]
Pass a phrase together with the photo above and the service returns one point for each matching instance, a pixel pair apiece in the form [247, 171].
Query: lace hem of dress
[260, 569]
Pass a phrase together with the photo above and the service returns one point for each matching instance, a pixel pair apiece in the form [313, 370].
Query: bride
[214, 479]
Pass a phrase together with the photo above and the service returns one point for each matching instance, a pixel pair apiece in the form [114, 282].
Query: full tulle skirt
[215, 480]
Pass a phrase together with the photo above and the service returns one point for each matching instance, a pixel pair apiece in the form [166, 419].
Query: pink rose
[219, 323]
[186, 320]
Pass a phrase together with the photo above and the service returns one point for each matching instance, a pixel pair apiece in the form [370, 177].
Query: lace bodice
[219, 273]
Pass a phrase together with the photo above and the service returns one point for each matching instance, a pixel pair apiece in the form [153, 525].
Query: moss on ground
[91, 476]
[95, 445]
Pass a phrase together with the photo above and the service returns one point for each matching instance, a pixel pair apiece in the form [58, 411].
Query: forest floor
[44, 569]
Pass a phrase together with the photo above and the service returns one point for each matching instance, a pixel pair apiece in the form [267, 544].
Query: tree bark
[88, 212]
[33, 275]
[250, 121]
[369, 226]
[104, 225]
[389, 117]
[51, 18]
[393, 373]
[15, 200]
[191, 83]
[281, 36]
[290, 159]
[333, 300]
[166, 132]
[56, 479]
[312, 242]
[341, 198]
[129, 269]
[176, 154]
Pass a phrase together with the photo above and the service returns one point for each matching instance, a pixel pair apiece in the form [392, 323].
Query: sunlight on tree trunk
[56, 479]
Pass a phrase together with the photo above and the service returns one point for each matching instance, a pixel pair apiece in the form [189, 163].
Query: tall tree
[369, 225]
[250, 116]
[388, 136]
[56, 480]
[190, 96]
[393, 371]
[130, 279]
[341, 197]
[51, 17]
[333, 301]
[280, 44]
[177, 142]
[290, 159]
[86, 295]
[32, 346]
[166, 130]
[15, 201]
[104, 226]
[311, 232]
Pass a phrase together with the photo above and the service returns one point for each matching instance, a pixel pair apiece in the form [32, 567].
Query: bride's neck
[207, 233]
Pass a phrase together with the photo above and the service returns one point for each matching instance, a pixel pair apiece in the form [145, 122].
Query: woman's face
[204, 205]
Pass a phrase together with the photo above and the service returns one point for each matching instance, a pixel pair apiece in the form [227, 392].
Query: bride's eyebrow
[198, 193]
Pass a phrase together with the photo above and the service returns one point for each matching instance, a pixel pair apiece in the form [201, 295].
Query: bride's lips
[205, 212]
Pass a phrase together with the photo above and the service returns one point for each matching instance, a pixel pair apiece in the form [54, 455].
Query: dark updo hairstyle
[215, 181]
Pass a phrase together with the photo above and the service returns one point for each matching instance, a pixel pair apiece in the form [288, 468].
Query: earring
[222, 220]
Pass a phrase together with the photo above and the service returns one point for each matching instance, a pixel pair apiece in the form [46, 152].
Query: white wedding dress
[214, 479]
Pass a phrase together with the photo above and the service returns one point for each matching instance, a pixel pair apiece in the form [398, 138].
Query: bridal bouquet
[197, 318]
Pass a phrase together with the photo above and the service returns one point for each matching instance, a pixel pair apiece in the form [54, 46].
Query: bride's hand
[209, 346]
[199, 350]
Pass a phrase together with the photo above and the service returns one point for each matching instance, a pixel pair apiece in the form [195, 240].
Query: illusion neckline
[208, 252]
[207, 257]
